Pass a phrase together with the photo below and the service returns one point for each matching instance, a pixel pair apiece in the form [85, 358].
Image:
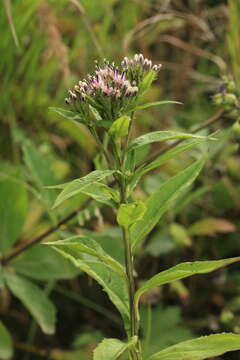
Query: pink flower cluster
[117, 83]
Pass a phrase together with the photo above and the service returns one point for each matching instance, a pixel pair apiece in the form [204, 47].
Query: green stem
[134, 325]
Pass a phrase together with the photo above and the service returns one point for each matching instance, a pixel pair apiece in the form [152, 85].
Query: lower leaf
[201, 348]
[35, 300]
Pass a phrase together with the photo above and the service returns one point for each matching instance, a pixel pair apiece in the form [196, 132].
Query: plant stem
[134, 326]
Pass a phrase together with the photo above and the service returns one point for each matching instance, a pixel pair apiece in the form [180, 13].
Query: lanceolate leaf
[111, 349]
[97, 190]
[35, 300]
[78, 245]
[67, 114]
[201, 348]
[159, 202]
[156, 103]
[79, 185]
[113, 284]
[182, 271]
[161, 136]
[6, 346]
[163, 158]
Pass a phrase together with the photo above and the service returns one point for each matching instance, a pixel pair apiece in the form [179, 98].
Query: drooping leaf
[111, 349]
[201, 348]
[156, 136]
[6, 345]
[159, 202]
[182, 271]
[13, 210]
[79, 185]
[120, 127]
[156, 103]
[168, 155]
[78, 245]
[113, 284]
[35, 300]
[67, 114]
[43, 263]
[129, 214]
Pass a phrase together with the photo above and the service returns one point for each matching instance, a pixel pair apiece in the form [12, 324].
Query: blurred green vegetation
[46, 46]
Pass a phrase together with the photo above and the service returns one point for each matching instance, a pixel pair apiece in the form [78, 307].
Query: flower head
[111, 89]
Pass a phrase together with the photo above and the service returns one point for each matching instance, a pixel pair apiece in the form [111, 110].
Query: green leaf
[79, 185]
[78, 245]
[104, 273]
[159, 202]
[156, 103]
[111, 349]
[6, 345]
[40, 170]
[35, 300]
[98, 191]
[201, 348]
[13, 210]
[147, 82]
[162, 159]
[129, 214]
[43, 263]
[120, 127]
[182, 271]
[156, 136]
[67, 114]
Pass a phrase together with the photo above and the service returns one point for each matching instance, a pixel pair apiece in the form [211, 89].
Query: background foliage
[45, 47]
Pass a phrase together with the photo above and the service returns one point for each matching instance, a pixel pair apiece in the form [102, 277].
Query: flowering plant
[108, 99]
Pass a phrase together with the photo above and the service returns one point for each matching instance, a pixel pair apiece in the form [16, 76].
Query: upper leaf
[111, 349]
[79, 185]
[182, 271]
[156, 136]
[67, 114]
[6, 345]
[163, 158]
[120, 127]
[35, 300]
[201, 348]
[156, 103]
[158, 203]
[129, 214]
